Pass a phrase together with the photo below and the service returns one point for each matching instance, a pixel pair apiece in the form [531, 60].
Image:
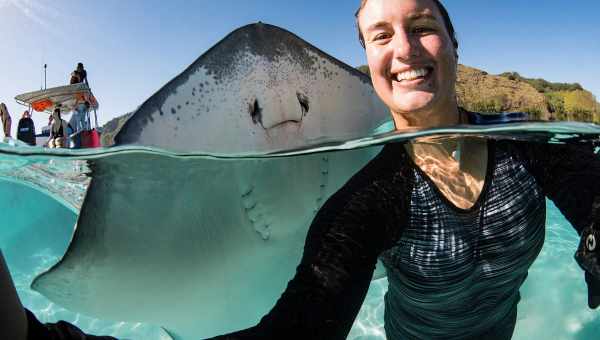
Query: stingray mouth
[290, 122]
[293, 118]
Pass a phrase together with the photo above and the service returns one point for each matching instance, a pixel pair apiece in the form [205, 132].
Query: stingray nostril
[255, 112]
[303, 100]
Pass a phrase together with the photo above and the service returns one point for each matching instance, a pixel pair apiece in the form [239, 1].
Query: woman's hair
[441, 8]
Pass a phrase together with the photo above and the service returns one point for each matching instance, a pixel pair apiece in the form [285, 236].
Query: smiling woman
[413, 60]
[457, 223]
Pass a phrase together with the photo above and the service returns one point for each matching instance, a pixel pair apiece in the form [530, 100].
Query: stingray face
[280, 112]
[259, 89]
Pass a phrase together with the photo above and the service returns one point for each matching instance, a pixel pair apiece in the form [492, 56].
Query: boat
[77, 98]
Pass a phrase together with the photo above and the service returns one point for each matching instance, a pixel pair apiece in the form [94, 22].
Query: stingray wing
[200, 246]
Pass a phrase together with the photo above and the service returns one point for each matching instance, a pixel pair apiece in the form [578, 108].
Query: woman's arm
[340, 254]
[13, 321]
[569, 175]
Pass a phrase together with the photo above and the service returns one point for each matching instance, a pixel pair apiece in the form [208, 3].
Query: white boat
[69, 98]
[66, 97]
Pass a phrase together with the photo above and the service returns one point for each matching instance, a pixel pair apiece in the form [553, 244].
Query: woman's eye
[381, 36]
[422, 30]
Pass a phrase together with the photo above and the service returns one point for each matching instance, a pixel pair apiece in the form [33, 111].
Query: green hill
[565, 101]
[479, 91]
[112, 127]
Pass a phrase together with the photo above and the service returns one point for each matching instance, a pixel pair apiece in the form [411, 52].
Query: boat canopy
[66, 97]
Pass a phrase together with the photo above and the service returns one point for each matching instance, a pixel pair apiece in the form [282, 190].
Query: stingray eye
[255, 112]
[591, 242]
[303, 100]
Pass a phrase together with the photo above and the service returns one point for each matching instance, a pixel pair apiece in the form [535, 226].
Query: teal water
[42, 191]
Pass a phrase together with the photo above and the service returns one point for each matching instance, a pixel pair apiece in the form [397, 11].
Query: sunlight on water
[42, 191]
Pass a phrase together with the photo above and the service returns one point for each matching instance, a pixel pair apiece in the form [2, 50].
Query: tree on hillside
[511, 75]
[542, 85]
[556, 105]
[581, 104]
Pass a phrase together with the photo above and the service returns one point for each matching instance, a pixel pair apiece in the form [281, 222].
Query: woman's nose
[405, 46]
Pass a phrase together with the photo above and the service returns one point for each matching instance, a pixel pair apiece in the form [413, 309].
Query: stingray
[205, 246]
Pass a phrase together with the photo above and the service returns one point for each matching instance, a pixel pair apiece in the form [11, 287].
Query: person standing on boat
[6, 120]
[79, 75]
[26, 129]
[80, 118]
[58, 131]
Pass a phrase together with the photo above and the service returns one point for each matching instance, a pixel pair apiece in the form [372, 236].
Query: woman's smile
[412, 78]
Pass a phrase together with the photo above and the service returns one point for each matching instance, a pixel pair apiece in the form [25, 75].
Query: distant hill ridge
[479, 91]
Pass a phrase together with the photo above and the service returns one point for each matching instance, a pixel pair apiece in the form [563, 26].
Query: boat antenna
[45, 67]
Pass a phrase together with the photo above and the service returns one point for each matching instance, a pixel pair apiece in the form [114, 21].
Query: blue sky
[133, 47]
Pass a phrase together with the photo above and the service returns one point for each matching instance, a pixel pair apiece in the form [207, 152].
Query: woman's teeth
[412, 74]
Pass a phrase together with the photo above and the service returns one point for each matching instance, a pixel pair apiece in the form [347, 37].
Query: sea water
[42, 190]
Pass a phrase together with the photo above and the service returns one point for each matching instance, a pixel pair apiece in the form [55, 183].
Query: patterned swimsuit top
[455, 273]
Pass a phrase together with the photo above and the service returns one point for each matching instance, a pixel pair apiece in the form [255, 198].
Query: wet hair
[441, 8]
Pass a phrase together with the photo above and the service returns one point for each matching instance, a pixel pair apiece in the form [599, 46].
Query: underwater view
[151, 249]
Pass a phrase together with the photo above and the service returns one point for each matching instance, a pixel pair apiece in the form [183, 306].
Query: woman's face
[411, 57]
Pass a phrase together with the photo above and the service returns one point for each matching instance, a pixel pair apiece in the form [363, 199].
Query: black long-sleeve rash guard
[454, 273]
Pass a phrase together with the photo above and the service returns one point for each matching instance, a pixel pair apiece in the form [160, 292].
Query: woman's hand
[588, 255]
[593, 285]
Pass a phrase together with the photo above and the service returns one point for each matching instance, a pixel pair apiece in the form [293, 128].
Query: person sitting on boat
[58, 131]
[26, 129]
[79, 75]
[5, 119]
[46, 128]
